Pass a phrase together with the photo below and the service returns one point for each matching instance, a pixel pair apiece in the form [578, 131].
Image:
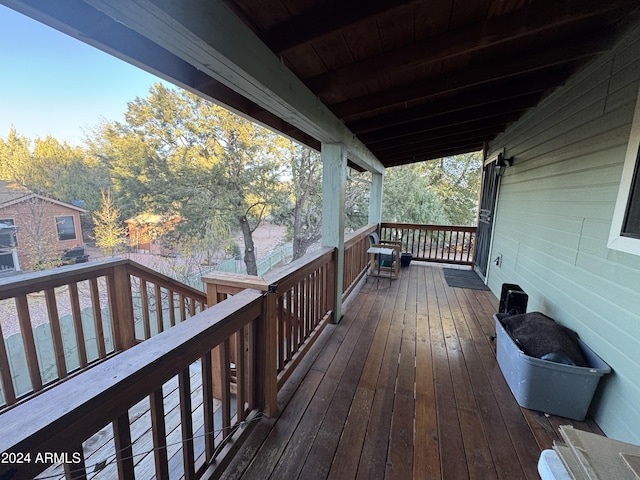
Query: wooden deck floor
[405, 386]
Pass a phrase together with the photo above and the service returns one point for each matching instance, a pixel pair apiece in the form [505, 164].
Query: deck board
[406, 386]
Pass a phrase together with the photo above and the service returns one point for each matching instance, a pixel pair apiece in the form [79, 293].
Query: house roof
[12, 193]
[407, 80]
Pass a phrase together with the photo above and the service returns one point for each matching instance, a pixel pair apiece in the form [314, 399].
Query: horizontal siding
[554, 212]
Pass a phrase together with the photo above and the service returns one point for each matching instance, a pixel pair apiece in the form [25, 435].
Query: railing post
[121, 309]
[267, 368]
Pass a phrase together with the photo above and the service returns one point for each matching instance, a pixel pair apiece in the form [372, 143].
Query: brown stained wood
[56, 333]
[186, 422]
[8, 391]
[158, 303]
[208, 412]
[183, 308]
[124, 451]
[26, 330]
[159, 433]
[172, 308]
[240, 374]
[144, 301]
[119, 293]
[76, 314]
[225, 381]
[97, 317]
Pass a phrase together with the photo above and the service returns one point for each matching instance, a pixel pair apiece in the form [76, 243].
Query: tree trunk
[249, 248]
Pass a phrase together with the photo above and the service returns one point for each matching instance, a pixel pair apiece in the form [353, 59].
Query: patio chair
[384, 262]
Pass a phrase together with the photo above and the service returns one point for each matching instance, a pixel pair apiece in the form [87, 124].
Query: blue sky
[52, 84]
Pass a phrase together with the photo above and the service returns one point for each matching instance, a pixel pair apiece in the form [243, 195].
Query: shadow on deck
[405, 386]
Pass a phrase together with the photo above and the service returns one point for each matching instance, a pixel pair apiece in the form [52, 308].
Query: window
[625, 227]
[7, 235]
[66, 228]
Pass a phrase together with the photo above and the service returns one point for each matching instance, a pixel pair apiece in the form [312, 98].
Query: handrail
[302, 305]
[59, 420]
[356, 259]
[433, 243]
[102, 289]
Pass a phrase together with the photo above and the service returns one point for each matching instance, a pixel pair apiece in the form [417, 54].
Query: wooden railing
[150, 410]
[356, 259]
[302, 303]
[117, 300]
[153, 409]
[433, 243]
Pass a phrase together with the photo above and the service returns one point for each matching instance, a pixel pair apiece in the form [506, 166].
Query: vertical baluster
[225, 380]
[97, 317]
[76, 470]
[295, 294]
[186, 420]
[240, 374]
[207, 405]
[183, 308]
[56, 333]
[24, 319]
[76, 314]
[293, 332]
[124, 451]
[192, 307]
[430, 232]
[159, 433]
[172, 308]
[159, 319]
[457, 243]
[144, 300]
[282, 335]
[250, 366]
[5, 374]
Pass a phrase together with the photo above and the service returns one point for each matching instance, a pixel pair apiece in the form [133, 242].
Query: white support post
[375, 199]
[334, 184]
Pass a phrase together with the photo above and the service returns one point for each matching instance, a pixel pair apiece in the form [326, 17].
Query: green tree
[15, 158]
[442, 191]
[180, 155]
[109, 233]
[300, 207]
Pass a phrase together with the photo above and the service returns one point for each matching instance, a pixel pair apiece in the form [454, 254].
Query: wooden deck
[406, 386]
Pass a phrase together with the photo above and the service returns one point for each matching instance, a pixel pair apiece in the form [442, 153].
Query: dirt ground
[267, 237]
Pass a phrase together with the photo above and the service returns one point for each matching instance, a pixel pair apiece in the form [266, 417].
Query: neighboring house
[147, 232]
[45, 227]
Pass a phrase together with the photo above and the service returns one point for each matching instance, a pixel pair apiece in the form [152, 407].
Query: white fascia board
[209, 36]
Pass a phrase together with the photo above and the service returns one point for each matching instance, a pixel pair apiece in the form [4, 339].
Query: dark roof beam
[558, 61]
[324, 19]
[476, 97]
[499, 109]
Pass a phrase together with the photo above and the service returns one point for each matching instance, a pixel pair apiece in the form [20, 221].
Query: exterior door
[485, 220]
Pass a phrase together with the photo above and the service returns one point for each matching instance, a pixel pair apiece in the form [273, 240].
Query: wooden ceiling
[423, 79]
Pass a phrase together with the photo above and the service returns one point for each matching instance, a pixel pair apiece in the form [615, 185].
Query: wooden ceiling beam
[539, 16]
[324, 19]
[418, 142]
[455, 149]
[493, 93]
[484, 73]
[504, 109]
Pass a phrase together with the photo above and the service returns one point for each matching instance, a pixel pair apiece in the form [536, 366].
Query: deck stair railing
[112, 305]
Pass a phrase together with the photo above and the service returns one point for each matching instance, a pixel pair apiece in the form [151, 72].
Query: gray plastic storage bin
[548, 387]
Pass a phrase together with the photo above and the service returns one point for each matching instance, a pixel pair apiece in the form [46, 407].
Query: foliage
[109, 232]
[443, 191]
[180, 155]
[300, 206]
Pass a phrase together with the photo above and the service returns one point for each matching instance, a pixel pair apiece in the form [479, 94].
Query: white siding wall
[554, 213]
